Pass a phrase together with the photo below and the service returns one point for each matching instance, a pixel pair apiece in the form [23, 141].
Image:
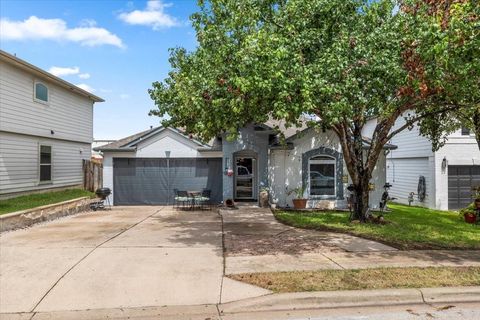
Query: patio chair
[181, 197]
[204, 199]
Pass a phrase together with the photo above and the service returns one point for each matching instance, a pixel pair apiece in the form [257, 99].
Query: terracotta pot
[229, 203]
[470, 218]
[300, 203]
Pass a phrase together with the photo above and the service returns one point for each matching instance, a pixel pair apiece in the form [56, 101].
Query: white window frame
[35, 92]
[40, 163]
[333, 161]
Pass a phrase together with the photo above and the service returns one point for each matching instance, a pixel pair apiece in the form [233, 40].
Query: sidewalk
[351, 260]
[256, 242]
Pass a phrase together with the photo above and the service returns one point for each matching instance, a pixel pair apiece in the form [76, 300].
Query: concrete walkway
[256, 242]
[125, 258]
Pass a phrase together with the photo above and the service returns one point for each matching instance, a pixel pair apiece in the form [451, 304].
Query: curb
[269, 303]
[352, 298]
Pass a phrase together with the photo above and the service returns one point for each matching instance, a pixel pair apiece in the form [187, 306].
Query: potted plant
[469, 213]
[263, 197]
[299, 202]
[476, 191]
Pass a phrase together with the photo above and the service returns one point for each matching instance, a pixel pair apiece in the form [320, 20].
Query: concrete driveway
[124, 258]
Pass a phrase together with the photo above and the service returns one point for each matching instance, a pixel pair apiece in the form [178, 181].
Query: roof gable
[131, 142]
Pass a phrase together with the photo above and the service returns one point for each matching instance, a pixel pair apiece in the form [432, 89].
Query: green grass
[378, 278]
[40, 199]
[408, 227]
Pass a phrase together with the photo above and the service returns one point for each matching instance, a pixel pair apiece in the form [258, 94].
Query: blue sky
[114, 48]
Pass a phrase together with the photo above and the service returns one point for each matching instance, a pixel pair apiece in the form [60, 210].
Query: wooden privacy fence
[92, 175]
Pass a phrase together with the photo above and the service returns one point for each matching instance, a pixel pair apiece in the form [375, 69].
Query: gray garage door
[461, 180]
[152, 181]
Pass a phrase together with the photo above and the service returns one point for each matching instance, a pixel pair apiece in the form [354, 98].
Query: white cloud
[35, 28]
[85, 87]
[84, 75]
[153, 16]
[124, 96]
[63, 71]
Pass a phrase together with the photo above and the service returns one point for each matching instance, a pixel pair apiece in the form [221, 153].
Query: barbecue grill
[102, 195]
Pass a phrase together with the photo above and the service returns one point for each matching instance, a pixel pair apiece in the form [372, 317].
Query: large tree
[344, 61]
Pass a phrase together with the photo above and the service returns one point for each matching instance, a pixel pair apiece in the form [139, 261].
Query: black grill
[103, 193]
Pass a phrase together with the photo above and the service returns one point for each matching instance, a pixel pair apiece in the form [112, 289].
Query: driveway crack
[224, 260]
[88, 254]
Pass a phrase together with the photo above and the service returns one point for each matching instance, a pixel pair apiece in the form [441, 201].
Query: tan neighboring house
[46, 128]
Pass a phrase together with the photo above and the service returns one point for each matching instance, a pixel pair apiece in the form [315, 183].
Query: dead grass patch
[378, 278]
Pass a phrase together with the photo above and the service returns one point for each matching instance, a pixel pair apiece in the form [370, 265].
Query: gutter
[132, 149]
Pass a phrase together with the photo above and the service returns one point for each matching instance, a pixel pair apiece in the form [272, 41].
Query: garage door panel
[461, 180]
[152, 181]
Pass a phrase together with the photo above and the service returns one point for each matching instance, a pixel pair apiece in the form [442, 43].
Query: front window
[465, 131]
[322, 175]
[45, 163]
[41, 92]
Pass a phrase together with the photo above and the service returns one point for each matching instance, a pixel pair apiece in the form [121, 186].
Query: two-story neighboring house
[449, 174]
[46, 128]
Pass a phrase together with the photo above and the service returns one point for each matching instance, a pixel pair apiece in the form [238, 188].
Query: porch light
[444, 164]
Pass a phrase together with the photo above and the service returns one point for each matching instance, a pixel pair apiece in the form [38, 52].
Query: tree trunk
[476, 125]
[362, 193]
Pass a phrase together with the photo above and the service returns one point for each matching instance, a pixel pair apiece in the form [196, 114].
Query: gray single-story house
[146, 167]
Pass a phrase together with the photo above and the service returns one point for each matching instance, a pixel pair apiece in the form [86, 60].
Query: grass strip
[361, 279]
[407, 227]
[40, 199]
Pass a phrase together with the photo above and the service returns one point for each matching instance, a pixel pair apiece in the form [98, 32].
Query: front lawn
[40, 199]
[409, 227]
[379, 278]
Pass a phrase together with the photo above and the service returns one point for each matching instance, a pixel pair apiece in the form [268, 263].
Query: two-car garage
[153, 180]
[461, 180]
[147, 168]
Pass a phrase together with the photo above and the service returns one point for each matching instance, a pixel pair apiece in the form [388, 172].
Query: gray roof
[290, 131]
[122, 142]
[129, 143]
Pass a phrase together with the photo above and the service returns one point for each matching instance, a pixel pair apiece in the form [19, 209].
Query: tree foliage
[344, 61]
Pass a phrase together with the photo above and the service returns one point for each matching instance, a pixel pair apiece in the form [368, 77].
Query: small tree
[344, 61]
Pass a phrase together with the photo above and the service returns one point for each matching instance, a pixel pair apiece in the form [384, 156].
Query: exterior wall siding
[286, 170]
[68, 115]
[19, 162]
[404, 174]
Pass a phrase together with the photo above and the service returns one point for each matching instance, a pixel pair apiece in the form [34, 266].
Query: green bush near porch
[408, 227]
[41, 199]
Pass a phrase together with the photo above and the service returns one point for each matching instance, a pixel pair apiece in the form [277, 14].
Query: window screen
[41, 92]
[322, 176]
[45, 163]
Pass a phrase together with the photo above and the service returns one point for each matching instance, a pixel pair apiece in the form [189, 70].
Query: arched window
[322, 176]
[41, 92]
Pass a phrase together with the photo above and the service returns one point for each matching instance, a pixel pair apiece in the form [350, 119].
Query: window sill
[46, 103]
[41, 183]
[322, 197]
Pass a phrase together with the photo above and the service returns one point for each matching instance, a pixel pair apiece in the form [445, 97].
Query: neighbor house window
[41, 92]
[322, 175]
[465, 131]
[45, 163]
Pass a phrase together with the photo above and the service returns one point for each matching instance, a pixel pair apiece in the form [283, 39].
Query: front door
[245, 178]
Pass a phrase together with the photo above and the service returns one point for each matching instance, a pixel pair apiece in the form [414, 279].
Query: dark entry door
[461, 180]
[138, 181]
